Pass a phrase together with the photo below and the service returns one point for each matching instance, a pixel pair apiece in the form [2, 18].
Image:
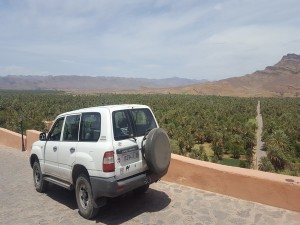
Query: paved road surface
[164, 203]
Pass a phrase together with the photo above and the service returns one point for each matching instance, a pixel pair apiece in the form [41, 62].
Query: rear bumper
[110, 187]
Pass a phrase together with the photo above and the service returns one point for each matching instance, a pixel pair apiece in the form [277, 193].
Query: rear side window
[122, 125]
[71, 128]
[90, 127]
[143, 121]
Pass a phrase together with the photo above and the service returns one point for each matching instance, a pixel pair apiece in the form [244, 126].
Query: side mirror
[43, 137]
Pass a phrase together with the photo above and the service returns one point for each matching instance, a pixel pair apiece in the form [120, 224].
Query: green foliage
[199, 154]
[227, 123]
[218, 151]
[231, 162]
[293, 169]
[282, 132]
[266, 165]
[188, 119]
[236, 152]
[174, 146]
[244, 164]
[297, 150]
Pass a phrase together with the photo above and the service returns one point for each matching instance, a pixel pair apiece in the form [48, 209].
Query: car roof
[108, 107]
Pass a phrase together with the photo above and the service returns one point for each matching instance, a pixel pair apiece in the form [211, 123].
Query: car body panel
[59, 155]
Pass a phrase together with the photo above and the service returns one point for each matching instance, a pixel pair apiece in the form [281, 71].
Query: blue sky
[197, 39]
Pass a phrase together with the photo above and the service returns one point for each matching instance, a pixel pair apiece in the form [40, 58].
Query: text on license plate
[130, 156]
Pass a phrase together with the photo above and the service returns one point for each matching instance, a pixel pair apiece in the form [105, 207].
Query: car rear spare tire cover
[158, 151]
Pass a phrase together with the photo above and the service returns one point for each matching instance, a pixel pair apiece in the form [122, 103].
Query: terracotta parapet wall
[32, 136]
[267, 188]
[252, 185]
[11, 139]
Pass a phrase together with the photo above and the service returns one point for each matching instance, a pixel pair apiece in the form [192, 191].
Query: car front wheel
[84, 197]
[39, 183]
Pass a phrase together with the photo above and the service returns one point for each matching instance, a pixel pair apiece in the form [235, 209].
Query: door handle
[55, 148]
[72, 149]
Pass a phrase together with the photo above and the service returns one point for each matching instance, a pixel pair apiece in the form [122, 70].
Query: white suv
[101, 152]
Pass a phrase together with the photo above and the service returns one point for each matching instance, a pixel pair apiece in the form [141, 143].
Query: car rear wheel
[84, 197]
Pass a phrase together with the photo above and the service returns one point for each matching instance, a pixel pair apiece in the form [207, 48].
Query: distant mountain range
[89, 83]
[282, 79]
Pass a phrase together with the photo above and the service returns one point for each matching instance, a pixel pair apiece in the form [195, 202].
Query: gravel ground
[163, 203]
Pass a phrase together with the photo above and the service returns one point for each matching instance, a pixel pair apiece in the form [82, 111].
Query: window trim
[53, 127]
[80, 127]
[132, 122]
[64, 125]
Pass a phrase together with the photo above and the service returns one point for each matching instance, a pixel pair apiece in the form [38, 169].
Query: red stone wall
[252, 185]
[267, 188]
[11, 139]
[32, 136]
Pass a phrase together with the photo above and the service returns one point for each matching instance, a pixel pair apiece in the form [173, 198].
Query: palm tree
[279, 140]
[265, 165]
[277, 157]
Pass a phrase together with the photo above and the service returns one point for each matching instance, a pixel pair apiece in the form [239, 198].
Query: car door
[52, 148]
[68, 147]
[128, 160]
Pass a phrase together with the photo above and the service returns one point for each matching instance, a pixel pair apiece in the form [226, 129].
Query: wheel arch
[37, 154]
[33, 158]
[77, 170]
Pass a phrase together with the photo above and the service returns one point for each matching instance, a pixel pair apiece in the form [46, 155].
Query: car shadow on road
[124, 208]
[118, 210]
[62, 196]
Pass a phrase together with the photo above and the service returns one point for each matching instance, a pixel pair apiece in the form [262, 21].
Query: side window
[122, 126]
[71, 128]
[55, 132]
[143, 121]
[90, 127]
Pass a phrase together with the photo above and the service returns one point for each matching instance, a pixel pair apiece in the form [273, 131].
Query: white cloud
[196, 39]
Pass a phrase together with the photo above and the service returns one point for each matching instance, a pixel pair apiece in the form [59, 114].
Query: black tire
[158, 151]
[84, 197]
[39, 183]
[141, 190]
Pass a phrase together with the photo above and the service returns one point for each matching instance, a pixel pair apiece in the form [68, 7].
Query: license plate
[130, 156]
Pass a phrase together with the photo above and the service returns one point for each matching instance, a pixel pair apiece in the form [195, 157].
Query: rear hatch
[129, 129]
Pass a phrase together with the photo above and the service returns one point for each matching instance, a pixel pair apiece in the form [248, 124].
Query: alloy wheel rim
[37, 176]
[83, 196]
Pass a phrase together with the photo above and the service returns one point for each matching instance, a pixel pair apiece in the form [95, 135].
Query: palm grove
[211, 128]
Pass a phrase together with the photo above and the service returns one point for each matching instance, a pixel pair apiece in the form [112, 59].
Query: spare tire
[157, 151]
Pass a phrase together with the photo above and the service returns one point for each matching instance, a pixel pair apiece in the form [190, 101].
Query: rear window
[71, 128]
[122, 125]
[90, 127]
[132, 123]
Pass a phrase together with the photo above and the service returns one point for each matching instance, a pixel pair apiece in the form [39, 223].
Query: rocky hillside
[282, 79]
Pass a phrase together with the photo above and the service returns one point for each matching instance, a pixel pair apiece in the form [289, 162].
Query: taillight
[108, 162]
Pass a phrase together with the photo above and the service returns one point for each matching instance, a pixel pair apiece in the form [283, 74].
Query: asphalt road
[164, 203]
